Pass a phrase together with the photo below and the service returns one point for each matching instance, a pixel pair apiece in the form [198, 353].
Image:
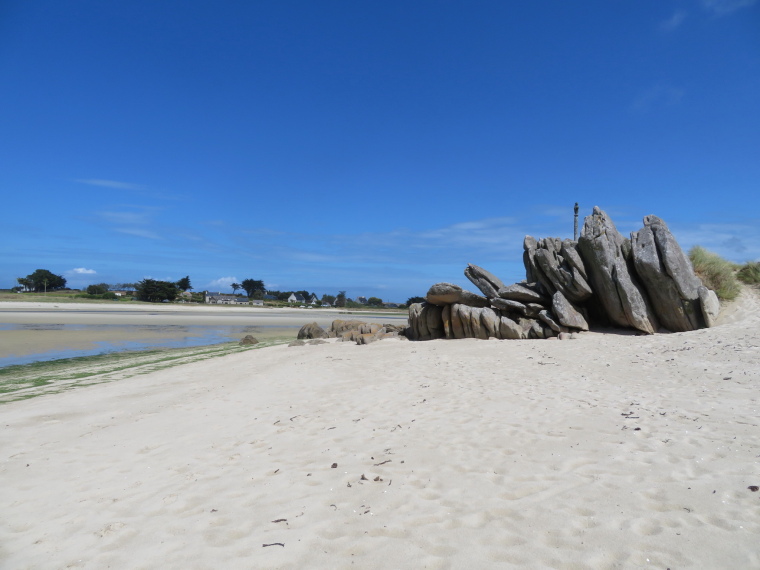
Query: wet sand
[28, 328]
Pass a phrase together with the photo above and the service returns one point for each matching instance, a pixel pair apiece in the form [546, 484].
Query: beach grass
[715, 272]
[749, 273]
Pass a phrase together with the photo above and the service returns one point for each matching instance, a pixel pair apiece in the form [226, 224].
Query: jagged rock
[448, 294]
[567, 315]
[569, 252]
[532, 310]
[490, 321]
[561, 274]
[509, 305]
[478, 331]
[533, 271]
[465, 318]
[602, 249]
[425, 322]
[339, 326]
[667, 276]
[509, 329]
[488, 284]
[710, 305]
[549, 320]
[446, 318]
[248, 340]
[536, 330]
[457, 331]
[311, 330]
[524, 293]
[367, 338]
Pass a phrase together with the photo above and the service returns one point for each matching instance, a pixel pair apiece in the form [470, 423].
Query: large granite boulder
[425, 322]
[667, 275]
[311, 330]
[488, 283]
[603, 251]
[448, 294]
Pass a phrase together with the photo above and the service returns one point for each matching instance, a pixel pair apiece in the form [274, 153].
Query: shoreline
[29, 330]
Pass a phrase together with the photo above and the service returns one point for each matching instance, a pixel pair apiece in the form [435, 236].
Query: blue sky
[373, 147]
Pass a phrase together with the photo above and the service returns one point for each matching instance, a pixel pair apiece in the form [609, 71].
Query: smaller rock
[248, 340]
[549, 320]
[565, 336]
[488, 283]
[297, 343]
[509, 305]
[311, 330]
[509, 329]
[710, 305]
[567, 315]
[448, 294]
[524, 292]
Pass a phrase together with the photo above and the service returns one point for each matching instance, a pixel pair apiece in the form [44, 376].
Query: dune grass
[749, 273]
[715, 272]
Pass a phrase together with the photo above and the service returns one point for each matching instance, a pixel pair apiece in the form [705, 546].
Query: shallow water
[82, 340]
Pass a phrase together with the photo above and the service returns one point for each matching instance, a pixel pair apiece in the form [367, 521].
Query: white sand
[492, 454]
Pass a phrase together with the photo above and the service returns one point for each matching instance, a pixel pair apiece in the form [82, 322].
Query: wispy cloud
[110, 184]
[131, 220]
[674, 22]
[139, 232]
[657, 96]
[81, 271]
[725, 7]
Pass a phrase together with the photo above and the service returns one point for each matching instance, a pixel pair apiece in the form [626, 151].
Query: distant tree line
[156, 291]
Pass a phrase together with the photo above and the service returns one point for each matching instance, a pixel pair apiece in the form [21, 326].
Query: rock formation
[642, 283]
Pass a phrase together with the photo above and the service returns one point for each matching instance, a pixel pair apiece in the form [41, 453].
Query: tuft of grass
[715, 272]
[749, 273]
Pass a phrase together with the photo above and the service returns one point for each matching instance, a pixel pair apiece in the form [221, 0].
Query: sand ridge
[611, 451]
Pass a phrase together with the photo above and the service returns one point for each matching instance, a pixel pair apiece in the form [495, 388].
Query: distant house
[224, 299]
[391, 305]
[268, 297]
[326, 304]
[312, 300]
[296, 298]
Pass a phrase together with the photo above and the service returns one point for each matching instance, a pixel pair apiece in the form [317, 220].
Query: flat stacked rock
[645, 283]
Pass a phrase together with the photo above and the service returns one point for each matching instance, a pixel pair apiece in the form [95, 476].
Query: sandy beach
[609, 451]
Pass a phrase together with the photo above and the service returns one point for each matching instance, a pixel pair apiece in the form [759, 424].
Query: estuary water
[36, 332]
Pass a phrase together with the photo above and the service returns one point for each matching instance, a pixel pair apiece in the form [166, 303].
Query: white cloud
[81, 271]
[110, 184]
[673, 22]
[725, 7]
[222, 283]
